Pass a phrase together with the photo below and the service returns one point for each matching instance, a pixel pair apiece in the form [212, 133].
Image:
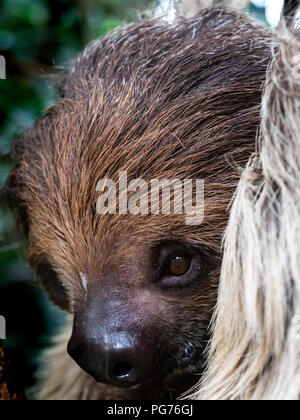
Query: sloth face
[159, 101]
[141, 312]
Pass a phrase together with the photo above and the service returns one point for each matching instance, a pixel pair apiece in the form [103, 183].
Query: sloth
[159, 100]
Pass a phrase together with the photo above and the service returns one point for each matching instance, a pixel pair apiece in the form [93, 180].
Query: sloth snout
[112, 357]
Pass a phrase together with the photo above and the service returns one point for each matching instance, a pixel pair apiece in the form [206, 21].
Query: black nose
[117, 358]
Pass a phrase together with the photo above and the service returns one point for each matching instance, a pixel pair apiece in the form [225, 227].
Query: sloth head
[159, 101]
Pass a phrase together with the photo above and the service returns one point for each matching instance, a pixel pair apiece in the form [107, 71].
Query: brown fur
[160, 100]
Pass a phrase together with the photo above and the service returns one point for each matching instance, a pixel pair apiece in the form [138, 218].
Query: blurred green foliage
[37, 36]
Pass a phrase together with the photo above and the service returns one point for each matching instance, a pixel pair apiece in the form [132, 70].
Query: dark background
[36, 38]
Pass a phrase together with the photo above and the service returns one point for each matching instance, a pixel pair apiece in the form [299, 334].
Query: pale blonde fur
[255, 351]
[190, 8]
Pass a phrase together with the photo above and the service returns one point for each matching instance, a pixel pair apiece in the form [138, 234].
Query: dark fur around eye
[166, 252]
[52, 284]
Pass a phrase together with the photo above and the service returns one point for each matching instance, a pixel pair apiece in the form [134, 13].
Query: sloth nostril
[122, 369]
[186, 356]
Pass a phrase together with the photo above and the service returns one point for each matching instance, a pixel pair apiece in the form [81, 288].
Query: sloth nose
[127, 367]
[119, 359]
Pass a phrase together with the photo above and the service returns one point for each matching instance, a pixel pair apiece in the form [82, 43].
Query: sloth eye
[179, 266]
[51, 283]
